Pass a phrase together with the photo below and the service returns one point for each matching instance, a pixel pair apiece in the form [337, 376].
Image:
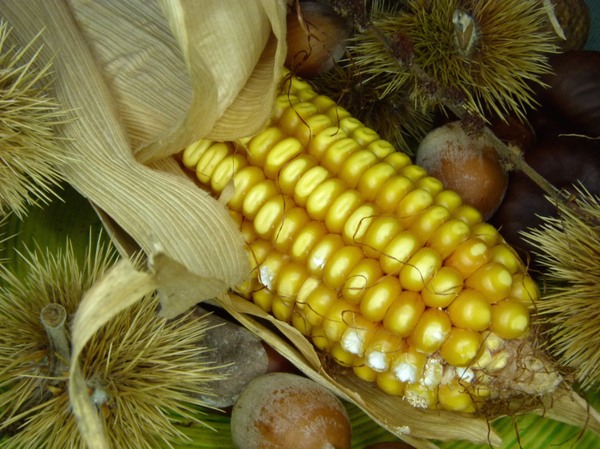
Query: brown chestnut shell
[574, 90]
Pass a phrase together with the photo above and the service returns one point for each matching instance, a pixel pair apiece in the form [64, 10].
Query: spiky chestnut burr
[143, 373]
[567, 247]
[30, 150]
[479, 55]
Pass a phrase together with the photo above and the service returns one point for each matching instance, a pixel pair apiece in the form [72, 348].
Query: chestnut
[466, 164]
[288, 411]
[563, 161]
[574, 90]
[315, 38]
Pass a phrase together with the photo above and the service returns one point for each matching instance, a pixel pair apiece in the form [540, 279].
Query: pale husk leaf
[119, 289]
[159, 210]
[215, 73]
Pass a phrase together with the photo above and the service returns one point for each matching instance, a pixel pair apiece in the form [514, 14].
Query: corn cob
[368, 256]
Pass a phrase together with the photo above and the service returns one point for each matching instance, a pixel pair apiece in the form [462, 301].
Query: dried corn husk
[142, 104]
[122, 286]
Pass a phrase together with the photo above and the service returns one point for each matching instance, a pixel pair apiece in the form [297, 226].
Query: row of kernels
[343, 268]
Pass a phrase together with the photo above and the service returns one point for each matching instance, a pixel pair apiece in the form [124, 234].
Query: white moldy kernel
[433, 373]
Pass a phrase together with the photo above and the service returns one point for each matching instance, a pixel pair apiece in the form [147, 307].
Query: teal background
[593, 42]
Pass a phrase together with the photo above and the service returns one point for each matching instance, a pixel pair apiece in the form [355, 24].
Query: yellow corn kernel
[461, 347]
[389, 383]
[321, 141]
[261, 145]
[306, 239]
[399, 161]
[289, 280]
[321, 253]
[282, 308]
[341, 209]
[299, 323]
[350, 125]
[379, 297]
[524, 289]
[269, 269]
[379, 234]
[486, 232]
[209, 160]
[493, 280]
[294, 119]
[454, 396]
[283, 103]
[469, 256]
[364, 275]
[420, 396]
[353, 168]
[442, 288]
[364, 372]
[412, 205]
[194, 152]
[448, 199]
[362, 134]
[419, 269]
[356, 337]
[318, 302]
[468, 214]
[381, 349]
[340, 264]
[337, 154]
[280, 155]
[510, 319]
[409, 365]
[358, 223]
[292, 221]
[448, 236]
[319, 338]
[224, 171]
[258, 250]
[257, 196]
[470, 310]
[430, 184]
[325, 104]
[428, 221]
[263, 298]
[341, 355]
[431, 331]
[404, 313]
[321, 198]
[397, 253]
[338, 318]
[507, 256]
[308, 182]
[292, 172]
[243, 181]
[414, 172]
[373, 179]
[383, 149]
[311, 126]
[391, 192]
[338, 114]
[270, 216]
